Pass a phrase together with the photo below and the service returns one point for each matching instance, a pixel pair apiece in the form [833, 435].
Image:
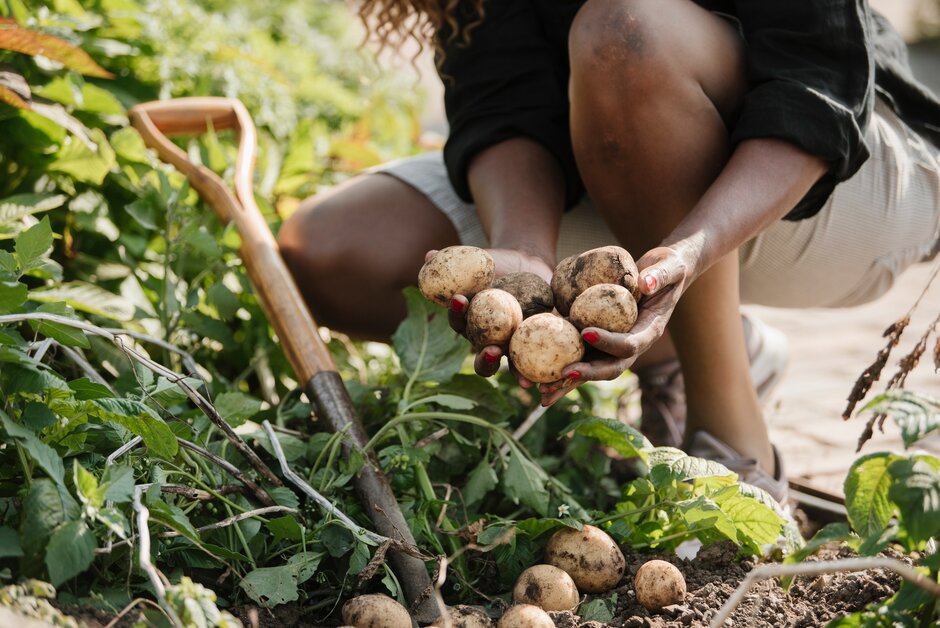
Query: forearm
[519, 190]
[762, 181]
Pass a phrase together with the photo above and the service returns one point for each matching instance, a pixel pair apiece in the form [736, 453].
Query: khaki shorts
[875, 225]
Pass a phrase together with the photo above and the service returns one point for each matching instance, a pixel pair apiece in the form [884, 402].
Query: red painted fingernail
[456, 305]
[650, 283]
[590, 336]
[573, 375]
[490, 358]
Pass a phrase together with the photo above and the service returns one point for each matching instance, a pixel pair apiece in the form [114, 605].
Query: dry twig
[776, 570]
[143, 531]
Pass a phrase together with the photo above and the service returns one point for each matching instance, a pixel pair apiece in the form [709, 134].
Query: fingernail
[590, 336]
[490, 358]
[573, 375]
[650, 283]
[456, 305]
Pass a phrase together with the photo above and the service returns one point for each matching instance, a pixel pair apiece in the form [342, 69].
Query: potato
[658, 584]
[469, 617]
[589, 556]
[607, 264]
[605, 305]
[547, 587]
[492, 318]
[525, 616]
[533, 293]
[464, 270]
[375, 611]
[564, 284]
[543, 345]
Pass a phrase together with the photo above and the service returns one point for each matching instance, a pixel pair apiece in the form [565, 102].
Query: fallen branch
[143, 531]
[201, 402]
[764, 572]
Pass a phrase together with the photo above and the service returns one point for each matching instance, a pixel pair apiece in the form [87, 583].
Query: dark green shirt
[813, 66]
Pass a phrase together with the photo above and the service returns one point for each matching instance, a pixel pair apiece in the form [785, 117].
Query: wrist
[691, 250]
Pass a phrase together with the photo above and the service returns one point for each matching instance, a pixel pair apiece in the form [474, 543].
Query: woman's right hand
[507, 261]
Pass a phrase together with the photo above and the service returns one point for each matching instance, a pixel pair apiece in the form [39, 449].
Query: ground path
[829, 349]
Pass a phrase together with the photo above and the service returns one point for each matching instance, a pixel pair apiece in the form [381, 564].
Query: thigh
[875, 225]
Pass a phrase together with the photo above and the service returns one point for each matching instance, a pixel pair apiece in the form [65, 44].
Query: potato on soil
[605, 305]
[589, 556]
[375, 611]
[464, 270]
[607, 264]
[547, 587]
[533, 293]
[525, 616]
[462, 616]
[543, 345]
[492, 318]
[658, 584]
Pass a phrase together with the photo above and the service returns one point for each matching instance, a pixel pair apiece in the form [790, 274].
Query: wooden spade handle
[283, 305]
[269, 275]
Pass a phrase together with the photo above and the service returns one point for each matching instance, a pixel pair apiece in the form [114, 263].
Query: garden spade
[282, 303]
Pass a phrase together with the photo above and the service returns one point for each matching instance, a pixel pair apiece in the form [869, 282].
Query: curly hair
[392, 22]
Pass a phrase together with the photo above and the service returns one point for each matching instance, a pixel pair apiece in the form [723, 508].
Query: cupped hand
[487, 360]
[664, 275]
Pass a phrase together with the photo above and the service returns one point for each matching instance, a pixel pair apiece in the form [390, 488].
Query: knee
[303, 239]
[615, 39]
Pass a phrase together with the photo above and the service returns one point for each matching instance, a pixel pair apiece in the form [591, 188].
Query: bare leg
[353, 249]
[653, 84]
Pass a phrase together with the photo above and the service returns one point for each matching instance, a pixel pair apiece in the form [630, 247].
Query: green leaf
[32, 245]
[272, 586]
[14, 208]
[88, 298]
[61, 332]
[46, 507]
[524, 482]
[24, 377]
[866, 493]
[482, 480]
[168, 393]
[489, 401]
[86, 390]
[702, 513]
[428, 348]
[12, 296]
[453, 402]
[174, 518]
[601, 610]
[118, 483]
[140, 420]
[87, 486]
[615, 434]
[71, 551]
[666, 468]
[44, 455]
[915, 488]
[916, 414]
[81, 162]
[754, 521]
[9, 543]
[236, 407]
[286, 527]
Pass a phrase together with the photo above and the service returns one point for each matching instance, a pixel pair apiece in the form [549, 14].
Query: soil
[711, 578]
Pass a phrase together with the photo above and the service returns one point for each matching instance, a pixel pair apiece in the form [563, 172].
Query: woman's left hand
[664, 274]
